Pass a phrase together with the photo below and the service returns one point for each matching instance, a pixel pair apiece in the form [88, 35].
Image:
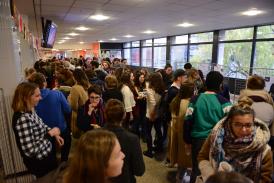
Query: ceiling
[135, 16]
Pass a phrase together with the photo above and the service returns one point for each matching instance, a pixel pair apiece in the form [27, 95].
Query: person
[106, 66]
[77, 97]
[203, 112]
[111, 89]
[187, 66]
[93, 80]
[91, 114]
[97, 158]
[238, 143]
[155, 90]
[34, 139]
[194, 77]
[228, 177]
[52, 109]
[133, 163]
[176, 149]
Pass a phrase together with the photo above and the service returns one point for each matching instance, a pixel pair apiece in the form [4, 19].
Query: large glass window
[201, 37]
[178, 56]
[264, 55]
[127, 55]
[135, 56]
[236, 34]
[265, 32]
[179, 39]
[136, 44]
[159, 57]
[126, 45]
[236, 59]
[160, 41]
[147, 42]
[201, 53]
[147, 57]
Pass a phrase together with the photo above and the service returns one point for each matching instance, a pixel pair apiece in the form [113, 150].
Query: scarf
[243, 154]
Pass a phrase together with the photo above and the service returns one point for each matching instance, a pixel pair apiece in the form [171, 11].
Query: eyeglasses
[241, 126]
[94, 98]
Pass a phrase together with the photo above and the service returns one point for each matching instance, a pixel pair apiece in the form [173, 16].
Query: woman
[193, 76]
[140, 87]
[238, 143]
[77, 97]
[106, 66]
[111, 89]
[155, 91]
[97, 158]
[34, 139]
[91, 114]
[133, 163]
[178, 153]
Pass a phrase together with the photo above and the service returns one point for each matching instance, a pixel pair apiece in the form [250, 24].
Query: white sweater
[129, 101]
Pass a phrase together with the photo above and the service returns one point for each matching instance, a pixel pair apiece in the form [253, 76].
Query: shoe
[148, 154]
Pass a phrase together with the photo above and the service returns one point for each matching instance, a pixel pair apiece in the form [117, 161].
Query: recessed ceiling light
[185, 24]
[61, 41]
[252, 12]
[99, 17]
[82, 28]
[100, 41]
[149, 32]
[67, 38]
[128, 36]
[81, 42]
[73, 34]
[113, 39]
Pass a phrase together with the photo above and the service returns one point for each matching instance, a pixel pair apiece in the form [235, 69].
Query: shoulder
[221, 99]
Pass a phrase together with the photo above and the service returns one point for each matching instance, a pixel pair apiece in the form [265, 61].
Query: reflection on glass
[236, 56]
[179, 39]
[236, 34]
[178, 56]
[265, 32]
[135, 56]
[201, 37]
[126, 45]
[147, 57]
[160, 41]
[136, 44]
[159, 57]
[127, 56]
[147, 42]
[200, 53]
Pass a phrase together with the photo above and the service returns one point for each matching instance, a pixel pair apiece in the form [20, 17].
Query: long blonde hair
[91, 157]
[22, 94]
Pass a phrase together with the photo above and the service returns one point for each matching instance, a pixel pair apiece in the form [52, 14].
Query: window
[201, 53]
[127, 55]
[178, 56]
[265, 32]
[126, 45]
[147, 42]
[147, 57]
[236, 34]
[160, 41]
[236, 59]
[179, 39]
[159, 57]
[135, 56]
[201, 37]
[264, 55]
[136, 44]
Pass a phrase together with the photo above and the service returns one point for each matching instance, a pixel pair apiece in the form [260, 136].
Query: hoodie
[52, 108]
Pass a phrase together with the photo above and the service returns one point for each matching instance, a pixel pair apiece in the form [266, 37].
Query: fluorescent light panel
[128, 36]
[149, 32]
[82, 28]
[73, 34]
[185, 24]
[99, 17]
[252, 12]
[113, 39]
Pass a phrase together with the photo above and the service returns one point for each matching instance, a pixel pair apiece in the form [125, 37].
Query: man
[203, 112]
[52, 108]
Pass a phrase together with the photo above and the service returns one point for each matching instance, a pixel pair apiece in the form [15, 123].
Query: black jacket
[133, 163]
[112, 93]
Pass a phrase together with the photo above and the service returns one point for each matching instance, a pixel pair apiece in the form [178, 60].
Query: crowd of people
[108, 108]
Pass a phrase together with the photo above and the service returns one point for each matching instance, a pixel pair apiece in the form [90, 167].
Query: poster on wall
[111, 54]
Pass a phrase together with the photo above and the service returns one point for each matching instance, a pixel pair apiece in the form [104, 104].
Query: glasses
[94, 98]
[241, 126]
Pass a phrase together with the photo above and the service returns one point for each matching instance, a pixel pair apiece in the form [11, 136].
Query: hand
[131, 116]
[95, 126]
[188, 149]
[59, 140]
[54, 132]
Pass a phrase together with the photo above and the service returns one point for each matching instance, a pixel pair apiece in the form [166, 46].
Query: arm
[64, 103]
[267, 167]
[137, 161]
[188, 123]
[127, 94]
[83, 120]
[151, 103]
[73, 98]
[32, 147]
